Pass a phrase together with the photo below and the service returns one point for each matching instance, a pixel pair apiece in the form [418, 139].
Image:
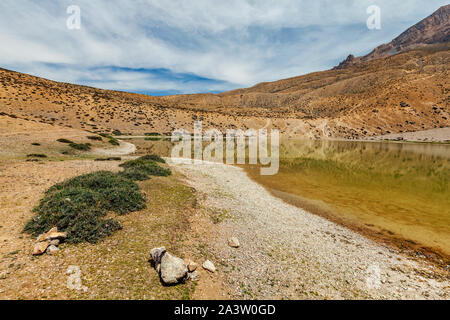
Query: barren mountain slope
[405, 92]
[431, 30]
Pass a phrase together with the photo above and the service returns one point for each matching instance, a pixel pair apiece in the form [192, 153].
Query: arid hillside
[407, 90]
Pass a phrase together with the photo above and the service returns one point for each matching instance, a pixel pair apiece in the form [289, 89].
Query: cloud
[202, 45]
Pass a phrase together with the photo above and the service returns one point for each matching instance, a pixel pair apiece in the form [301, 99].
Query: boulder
[234, 242]
[173, 269]
[156, 255]
[208, 265]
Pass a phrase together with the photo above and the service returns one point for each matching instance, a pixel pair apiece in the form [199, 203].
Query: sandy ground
[288, 253]
[124, 149]
[433, 135]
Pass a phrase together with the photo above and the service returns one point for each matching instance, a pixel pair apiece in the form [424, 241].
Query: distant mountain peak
[431, 30]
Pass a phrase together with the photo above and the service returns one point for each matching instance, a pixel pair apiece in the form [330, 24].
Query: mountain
[402, 92]
[431, 30]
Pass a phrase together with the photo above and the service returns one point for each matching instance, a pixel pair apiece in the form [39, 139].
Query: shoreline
[290, 253]
[415, 250]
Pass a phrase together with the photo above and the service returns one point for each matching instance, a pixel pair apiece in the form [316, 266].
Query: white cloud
[240, 42]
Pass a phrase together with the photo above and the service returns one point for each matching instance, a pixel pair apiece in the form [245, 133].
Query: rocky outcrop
[49, 242]
[431, 30]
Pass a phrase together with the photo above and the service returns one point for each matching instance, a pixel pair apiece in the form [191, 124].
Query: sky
[163, 47]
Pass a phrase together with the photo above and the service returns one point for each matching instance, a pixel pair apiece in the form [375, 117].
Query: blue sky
[177, 46]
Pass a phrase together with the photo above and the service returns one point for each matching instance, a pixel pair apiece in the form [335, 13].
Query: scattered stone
[40, 247]
[48, 242]
[234, 242]
[52, 234]
[173, 269]
[194, 276]
[192, 266]
[52, 249]
[208, 265]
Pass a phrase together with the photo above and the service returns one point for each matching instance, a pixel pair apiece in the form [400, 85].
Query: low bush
[109, 159]
[149, 167]
[134, 174]
[35, 144]
[153, 139]
[96, 138]
[79, 205]
[36, 155]
[153, 157]
[113, 141]
[80, 146]
[62, 140]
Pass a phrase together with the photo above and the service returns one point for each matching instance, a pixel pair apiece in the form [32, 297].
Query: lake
[400, 190]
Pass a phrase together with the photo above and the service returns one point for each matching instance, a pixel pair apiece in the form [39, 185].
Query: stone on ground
[208, 265]
[173, 269]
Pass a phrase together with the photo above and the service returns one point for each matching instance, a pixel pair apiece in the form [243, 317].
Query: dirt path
[124, 149]
[288, 253]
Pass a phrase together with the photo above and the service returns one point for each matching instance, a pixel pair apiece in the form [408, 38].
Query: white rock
[208, 265]
[52, 249]
[234, 242]
[156, 255]
[173, 269]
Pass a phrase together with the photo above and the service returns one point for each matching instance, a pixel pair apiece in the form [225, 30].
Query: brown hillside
[401, 93]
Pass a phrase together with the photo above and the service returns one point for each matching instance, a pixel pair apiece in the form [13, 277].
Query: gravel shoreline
[289, 253]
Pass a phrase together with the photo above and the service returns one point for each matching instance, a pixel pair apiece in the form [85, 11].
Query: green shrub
[117, 132]
[134, 174]
[36, 155]
[153, 157]
[80, 146]
[78, 206]
[109, 159]
[62, 140]
[96, 138]
[146, 166]
[153, 139]
[113, 141]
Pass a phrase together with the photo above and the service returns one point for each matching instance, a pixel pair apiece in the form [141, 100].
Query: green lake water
[401, 189]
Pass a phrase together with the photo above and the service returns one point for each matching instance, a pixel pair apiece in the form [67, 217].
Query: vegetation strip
[79, 205]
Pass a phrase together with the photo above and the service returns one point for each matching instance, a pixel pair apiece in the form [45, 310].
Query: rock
[173, 269]
[234, 242]
[52, 249]
[191, 265]
[40, 247]
[194, 276]
[55, 242]
[52, 234]
[208, 265]
[156, 255]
